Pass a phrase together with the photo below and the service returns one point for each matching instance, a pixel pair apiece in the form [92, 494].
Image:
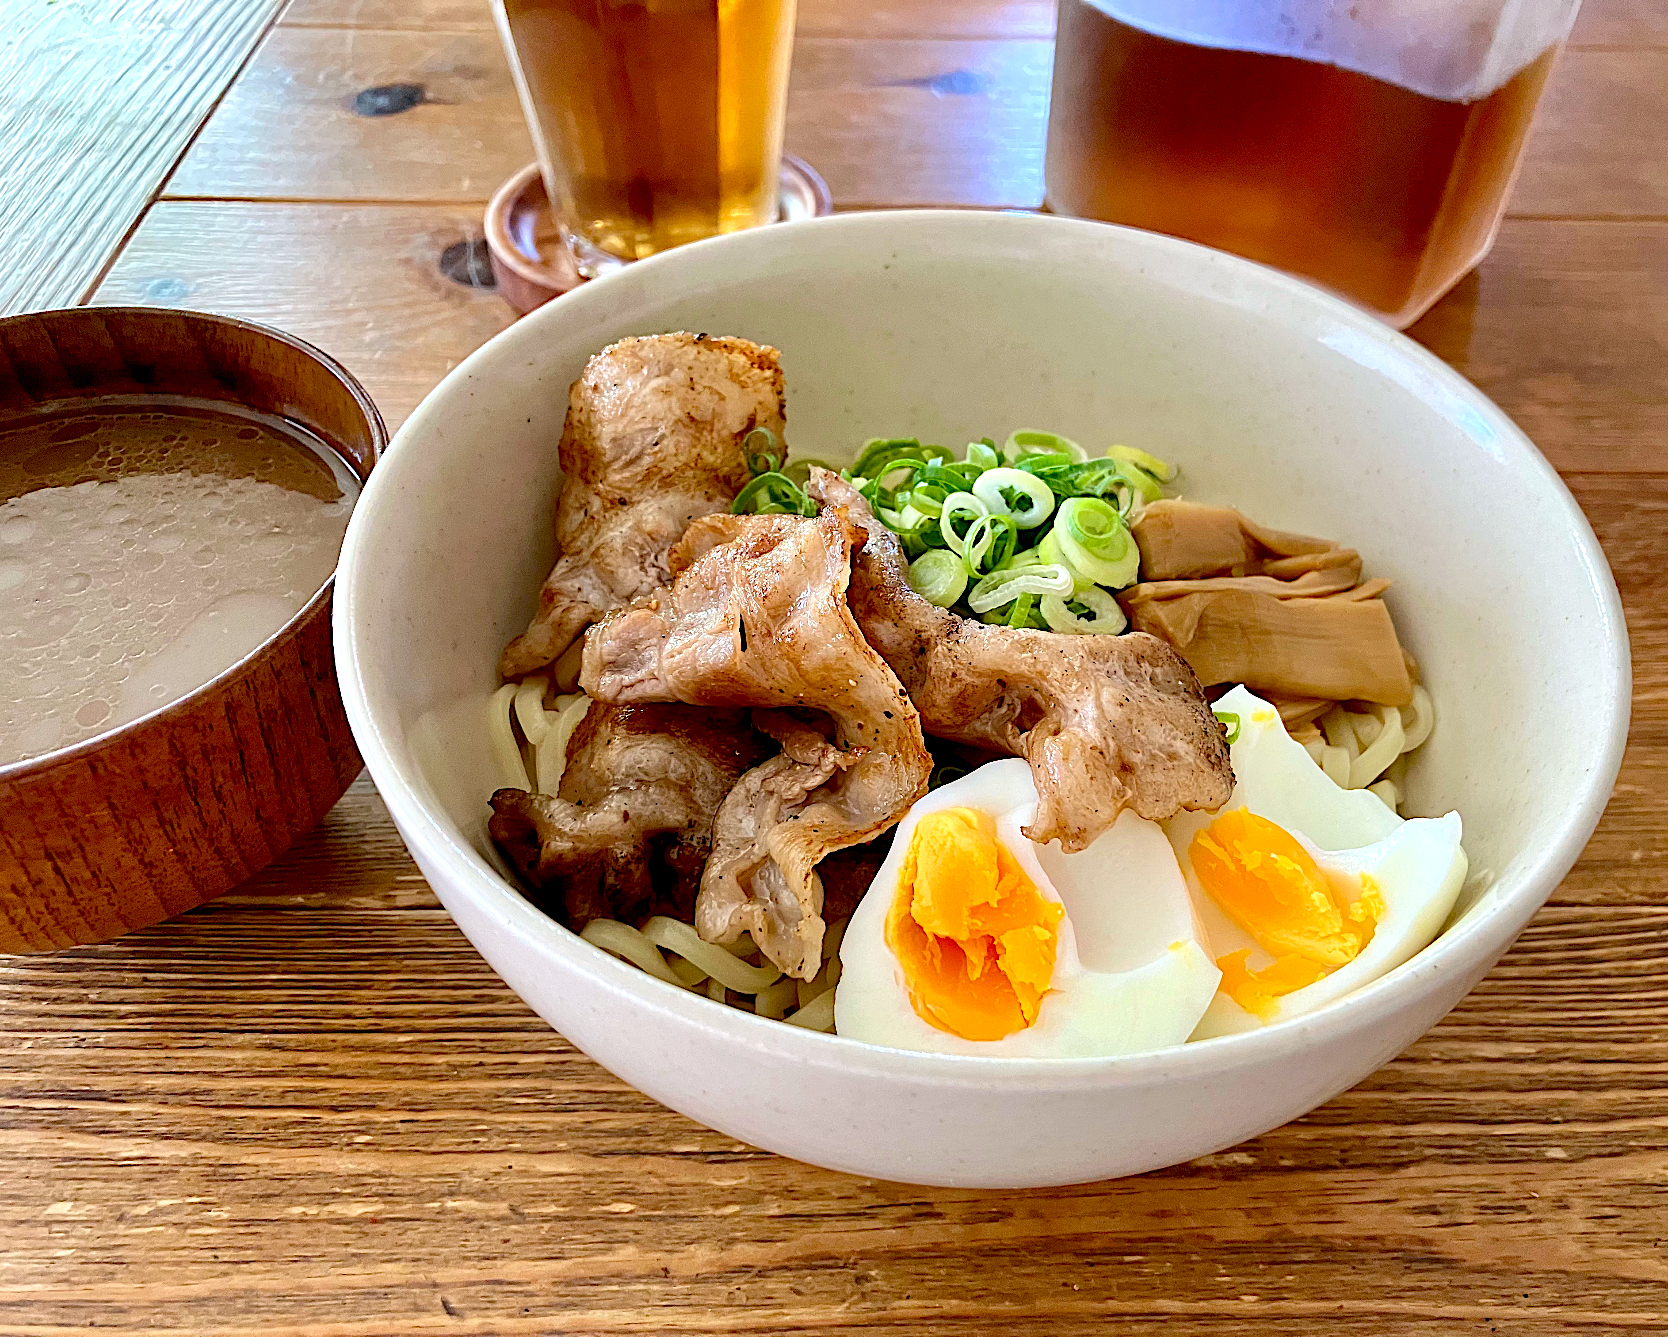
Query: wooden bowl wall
[158, 816]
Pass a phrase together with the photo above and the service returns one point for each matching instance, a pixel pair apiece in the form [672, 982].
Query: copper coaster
[530, 263]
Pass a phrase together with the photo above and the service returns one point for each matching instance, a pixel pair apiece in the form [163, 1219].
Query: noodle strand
[1367, 749]
[1383, 750]
[530, 714]
[550, 756]
[775, 1001]
[676, 936]
[817, 1015]
[505, 750]
[717, 970]
[1340, 733]
[1418, 729]
[627, 943]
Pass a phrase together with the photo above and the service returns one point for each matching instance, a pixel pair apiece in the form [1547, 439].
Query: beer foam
[123, 591]
[1454, 50]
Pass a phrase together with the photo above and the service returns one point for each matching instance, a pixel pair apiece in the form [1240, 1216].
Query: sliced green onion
[899, 475]
[957, 505]
[999, 489]
[1094, 524]
[1095, 541]
[1022, 612]
[1089, 478]
[1164, 473]
[773, 494]
[1004, 586]
[917, 532]
[1030, 441]
[952, 472]
[1032, 557]
[1042, 463]
[1112, 574]
[1049, 551]
[872, 492]
[1140, 483]
[763, 451]
[881, 455]
[938, 576]
[987, 507]
[915, 544]
[989, 544]
[1232, 721]
[927, 496]
[1107, 620]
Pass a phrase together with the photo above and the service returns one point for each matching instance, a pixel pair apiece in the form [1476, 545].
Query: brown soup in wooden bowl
[173, 492]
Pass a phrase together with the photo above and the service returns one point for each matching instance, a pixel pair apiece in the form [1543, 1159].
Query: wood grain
[1586, 155]
[363, 283]
[1621, 23]
[816, 18]
[310, 1110]
[1635, 23]
[98, 102]
[1624, 862]
[356, 1086]
[1563, 326]
[922, 122]
[890, 123]
[288, 129]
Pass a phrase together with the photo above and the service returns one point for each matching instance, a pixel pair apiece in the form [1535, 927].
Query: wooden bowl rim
[25, 767]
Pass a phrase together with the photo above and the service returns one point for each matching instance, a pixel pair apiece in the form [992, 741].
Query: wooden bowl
[154, 817]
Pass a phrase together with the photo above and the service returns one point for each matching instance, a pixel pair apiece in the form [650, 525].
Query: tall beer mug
[656, 121]
[1368, 145]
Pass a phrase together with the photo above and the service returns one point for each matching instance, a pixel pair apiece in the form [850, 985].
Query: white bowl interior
[1270, 397]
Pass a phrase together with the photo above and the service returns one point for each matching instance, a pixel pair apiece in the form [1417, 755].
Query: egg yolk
[975, 938]
[1268, 884]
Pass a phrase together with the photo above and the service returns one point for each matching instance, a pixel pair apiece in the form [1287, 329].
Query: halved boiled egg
[1307, 891]
[973, 940]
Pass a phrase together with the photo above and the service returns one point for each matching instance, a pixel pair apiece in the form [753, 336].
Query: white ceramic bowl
[952, 326]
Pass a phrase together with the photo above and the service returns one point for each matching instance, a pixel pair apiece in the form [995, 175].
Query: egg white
[1416, 865]
[1132, 971]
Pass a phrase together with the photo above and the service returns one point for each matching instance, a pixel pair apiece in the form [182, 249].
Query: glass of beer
[656, 121]
[1368, 147]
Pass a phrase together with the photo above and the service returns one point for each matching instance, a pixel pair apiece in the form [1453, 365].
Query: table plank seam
[185, 148]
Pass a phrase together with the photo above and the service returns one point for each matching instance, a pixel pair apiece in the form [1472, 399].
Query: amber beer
[1381, 193]
[657, 121]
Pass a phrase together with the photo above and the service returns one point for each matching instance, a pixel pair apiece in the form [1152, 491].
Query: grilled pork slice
[653, 438]
[1106, 722]
[758, 617]
[631, 829]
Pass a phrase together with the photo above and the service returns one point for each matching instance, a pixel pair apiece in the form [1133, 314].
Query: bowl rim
[25, 767]
[1485, 932]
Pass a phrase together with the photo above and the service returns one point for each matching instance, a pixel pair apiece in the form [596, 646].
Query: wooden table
[310, 1109]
